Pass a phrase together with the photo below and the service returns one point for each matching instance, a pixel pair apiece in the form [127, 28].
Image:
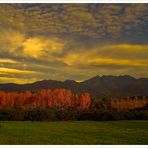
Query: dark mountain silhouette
[98, 87]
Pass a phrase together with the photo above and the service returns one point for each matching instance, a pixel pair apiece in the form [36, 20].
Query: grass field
[74, 132]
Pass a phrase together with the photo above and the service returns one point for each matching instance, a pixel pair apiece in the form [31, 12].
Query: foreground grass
[74, 132]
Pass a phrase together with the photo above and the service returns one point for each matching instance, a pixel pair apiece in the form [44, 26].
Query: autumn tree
[85, 100]
[60, 98]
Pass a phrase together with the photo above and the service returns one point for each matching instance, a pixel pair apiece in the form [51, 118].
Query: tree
[85, 100]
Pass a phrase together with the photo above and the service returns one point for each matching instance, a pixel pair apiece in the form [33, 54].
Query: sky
[72, 41]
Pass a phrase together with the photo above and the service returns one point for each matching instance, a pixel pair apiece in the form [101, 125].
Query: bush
[40, 115]
[66, 114]
[96, 115]
[56, 114]
[12, 115]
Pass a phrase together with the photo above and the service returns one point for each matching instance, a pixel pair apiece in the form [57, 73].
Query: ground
[74, 132]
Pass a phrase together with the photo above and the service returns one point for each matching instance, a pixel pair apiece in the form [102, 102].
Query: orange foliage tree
[85, 100]
[60, 98]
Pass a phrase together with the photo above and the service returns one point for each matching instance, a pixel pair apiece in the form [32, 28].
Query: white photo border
[73, 1]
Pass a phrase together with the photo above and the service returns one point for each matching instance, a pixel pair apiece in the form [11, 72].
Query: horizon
[76, 80]
[72, 41]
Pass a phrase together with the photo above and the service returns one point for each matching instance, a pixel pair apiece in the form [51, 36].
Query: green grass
[74, 132]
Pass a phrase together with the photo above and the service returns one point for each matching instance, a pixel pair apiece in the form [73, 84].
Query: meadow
[74, 132]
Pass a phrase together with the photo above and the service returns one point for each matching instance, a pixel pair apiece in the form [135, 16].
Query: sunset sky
[72, 41]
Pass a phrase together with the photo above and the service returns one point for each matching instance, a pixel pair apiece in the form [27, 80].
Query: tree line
[58, 98]
[63, 104]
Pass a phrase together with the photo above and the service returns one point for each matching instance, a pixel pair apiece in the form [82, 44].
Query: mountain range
[98, 86]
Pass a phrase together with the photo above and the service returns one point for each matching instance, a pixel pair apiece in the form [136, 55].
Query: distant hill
[98, 87]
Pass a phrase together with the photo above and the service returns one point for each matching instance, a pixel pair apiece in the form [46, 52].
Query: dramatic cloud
[72, 41]
[36, 46]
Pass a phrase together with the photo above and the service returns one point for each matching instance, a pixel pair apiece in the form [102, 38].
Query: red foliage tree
[85, 100]
[60, 98]
[3, 99]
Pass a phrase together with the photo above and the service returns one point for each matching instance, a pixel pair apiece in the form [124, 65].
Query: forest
[63, 104]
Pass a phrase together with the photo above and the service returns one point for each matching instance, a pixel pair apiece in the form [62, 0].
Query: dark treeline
[62, 104]
[66, 114]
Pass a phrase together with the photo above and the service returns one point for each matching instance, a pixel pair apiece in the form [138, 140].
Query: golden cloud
[7, 61]
[129, 47]
[33, 47]
[4, 70]
[126, 63]
[17, 43]
[118, 54]
[39, 46]
[16, 80]
[11, 40]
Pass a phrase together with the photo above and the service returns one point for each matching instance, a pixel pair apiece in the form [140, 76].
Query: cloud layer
[72, 41]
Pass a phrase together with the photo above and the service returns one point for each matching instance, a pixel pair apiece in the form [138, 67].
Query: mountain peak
[70, 81]
[93, 78]
[118, 77]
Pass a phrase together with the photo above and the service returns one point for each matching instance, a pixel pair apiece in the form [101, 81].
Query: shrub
[54, 114]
